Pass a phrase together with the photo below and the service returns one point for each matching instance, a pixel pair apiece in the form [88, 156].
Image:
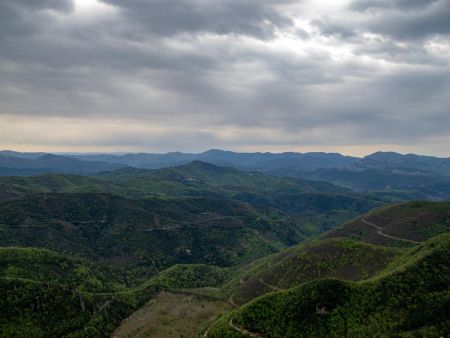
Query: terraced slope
[411, 300]
[343, 259]
[400, 225]
[355, 251]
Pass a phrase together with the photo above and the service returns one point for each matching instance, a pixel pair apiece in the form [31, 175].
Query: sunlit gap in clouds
[92, 8]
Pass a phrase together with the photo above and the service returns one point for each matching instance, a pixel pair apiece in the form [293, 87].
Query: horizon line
[122, 153]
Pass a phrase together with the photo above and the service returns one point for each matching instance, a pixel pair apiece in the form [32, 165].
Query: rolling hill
[250, 161]
[46, 294]
[353, 251]
[16, 187]
[406, 163]
[289, 164]
[98, 291]
[204, 239]
[411, 300]
[343, 259]
[406, 185]
[157, 232]
[153, 231]
[385, 174]
[194, 179]
[399, 225]
[200, 213]
[197, 177]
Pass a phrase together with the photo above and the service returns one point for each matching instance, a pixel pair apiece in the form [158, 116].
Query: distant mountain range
[292, 162]
[417, 176]
[26, 164]
[289, 163]
[249, 161]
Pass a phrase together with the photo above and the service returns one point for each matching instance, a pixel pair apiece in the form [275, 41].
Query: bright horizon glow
[350, 150]
[64, 135]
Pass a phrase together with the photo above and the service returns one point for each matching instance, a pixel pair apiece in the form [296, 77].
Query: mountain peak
[383, 155]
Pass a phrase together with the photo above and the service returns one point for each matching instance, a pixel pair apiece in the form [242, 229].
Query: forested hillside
[81, 253]
[410, 300]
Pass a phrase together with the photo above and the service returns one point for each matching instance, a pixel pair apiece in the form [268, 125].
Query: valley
[205, 250]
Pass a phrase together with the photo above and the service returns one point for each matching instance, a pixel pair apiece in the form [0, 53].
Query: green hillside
[399, 225]
[343, 259]
[204, 179]
[159, 232]
[15, 186]
[413, 300]
[353, 251]
[42, 265]
[405, 183]
[311, 207]
[80, 254]
[152, 232]
[46, 294]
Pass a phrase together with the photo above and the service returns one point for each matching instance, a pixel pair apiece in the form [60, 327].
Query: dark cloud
[21, 17]
[332, 27]
[400, 20]
[249, 17]
[66, 6]
[403, 5]
[194, 74]
[432, 20]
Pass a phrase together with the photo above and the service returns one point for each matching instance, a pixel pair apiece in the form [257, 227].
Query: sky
[349, 76]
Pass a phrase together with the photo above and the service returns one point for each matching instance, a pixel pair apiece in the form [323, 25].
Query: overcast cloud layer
[250, 75]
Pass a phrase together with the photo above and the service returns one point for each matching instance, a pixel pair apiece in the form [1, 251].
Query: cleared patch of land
[171, 315]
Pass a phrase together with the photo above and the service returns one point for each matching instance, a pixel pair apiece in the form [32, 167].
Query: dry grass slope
[171, 315]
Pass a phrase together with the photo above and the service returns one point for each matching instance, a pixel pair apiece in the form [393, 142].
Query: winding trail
[274, 288]
[381, 233]
[241, 329]
[232, 303]
[263, 282]
[234, 326]
[244, 331]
